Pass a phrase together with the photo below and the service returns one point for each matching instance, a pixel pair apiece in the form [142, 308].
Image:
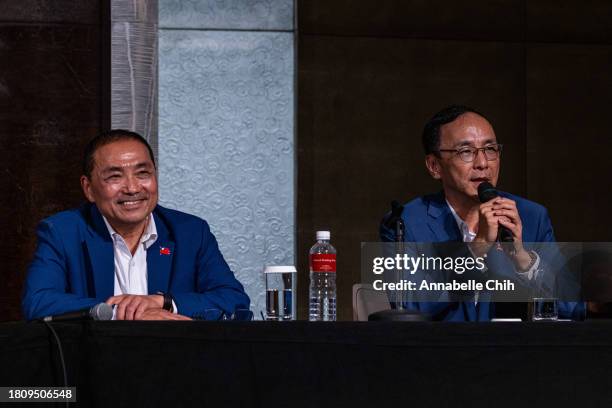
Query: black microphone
[101, 311]
[394, 220]
[487, 192]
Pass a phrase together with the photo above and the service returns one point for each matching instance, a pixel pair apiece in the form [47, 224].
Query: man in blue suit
[462, 152]
[124, 249]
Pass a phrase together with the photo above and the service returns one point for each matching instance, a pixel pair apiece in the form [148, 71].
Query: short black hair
[431, 132]
[109, 137]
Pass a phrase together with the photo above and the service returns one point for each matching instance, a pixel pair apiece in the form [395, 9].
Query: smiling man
[124, 249]
[462, 151]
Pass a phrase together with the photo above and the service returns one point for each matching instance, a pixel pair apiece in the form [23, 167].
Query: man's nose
[480, 160]
[132, 185]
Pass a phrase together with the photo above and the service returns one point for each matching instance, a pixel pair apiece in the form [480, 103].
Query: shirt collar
[149, 235]
[468, 236]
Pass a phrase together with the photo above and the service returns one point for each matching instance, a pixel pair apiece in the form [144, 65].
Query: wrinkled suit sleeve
[217, 288]
[46, 285]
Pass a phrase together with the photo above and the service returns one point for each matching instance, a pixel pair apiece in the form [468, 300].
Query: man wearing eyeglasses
[462, 151]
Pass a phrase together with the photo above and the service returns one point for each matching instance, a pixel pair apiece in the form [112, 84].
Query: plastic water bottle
[322, 279]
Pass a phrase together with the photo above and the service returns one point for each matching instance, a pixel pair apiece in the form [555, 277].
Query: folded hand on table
[142, 307]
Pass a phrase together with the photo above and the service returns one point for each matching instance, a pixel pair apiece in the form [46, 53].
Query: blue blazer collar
[440, 219]
[98, 246]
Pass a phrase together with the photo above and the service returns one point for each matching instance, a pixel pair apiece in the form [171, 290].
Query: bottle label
[323, 263]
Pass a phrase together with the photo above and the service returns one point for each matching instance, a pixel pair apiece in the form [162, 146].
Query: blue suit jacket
[73, 266]
[429, 219]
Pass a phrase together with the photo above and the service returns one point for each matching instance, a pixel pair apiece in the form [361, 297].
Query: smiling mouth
[131, 203]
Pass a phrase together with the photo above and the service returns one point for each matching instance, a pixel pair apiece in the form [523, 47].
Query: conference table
[323, 364]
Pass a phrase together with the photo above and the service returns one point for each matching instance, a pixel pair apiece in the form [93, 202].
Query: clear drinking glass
[545, 309]
[281, 282]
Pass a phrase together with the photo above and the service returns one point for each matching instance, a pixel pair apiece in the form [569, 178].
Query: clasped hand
[500, 211]
[142, 307]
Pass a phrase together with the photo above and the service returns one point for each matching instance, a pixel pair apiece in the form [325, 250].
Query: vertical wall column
[226, 127]
[134, 67]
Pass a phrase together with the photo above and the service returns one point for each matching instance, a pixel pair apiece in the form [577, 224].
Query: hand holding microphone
[499, 221]
[498, 215]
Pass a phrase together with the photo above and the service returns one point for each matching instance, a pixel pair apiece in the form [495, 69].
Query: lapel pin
[164, 250]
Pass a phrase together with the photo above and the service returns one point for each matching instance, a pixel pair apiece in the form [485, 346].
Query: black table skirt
[302, 364]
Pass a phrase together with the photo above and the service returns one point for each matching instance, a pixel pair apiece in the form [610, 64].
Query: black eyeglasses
[468, 154]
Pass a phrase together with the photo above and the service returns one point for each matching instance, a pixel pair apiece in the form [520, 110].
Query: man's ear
[432, 162]
[86, 187]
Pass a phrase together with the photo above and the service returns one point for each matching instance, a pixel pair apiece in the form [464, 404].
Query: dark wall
[50, 104]
[371, 73]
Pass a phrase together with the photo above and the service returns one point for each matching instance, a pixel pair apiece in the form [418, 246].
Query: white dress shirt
[131, 270]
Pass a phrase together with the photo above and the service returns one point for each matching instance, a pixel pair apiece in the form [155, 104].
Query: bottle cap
[323, 235]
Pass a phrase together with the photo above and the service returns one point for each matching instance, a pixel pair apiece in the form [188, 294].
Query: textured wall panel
[226, 142]
[433, 19]
[50, 11]
[228, 15]
[569, 22]
[49, 108]
[134, 11]
[568, 137]
[134, 67]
